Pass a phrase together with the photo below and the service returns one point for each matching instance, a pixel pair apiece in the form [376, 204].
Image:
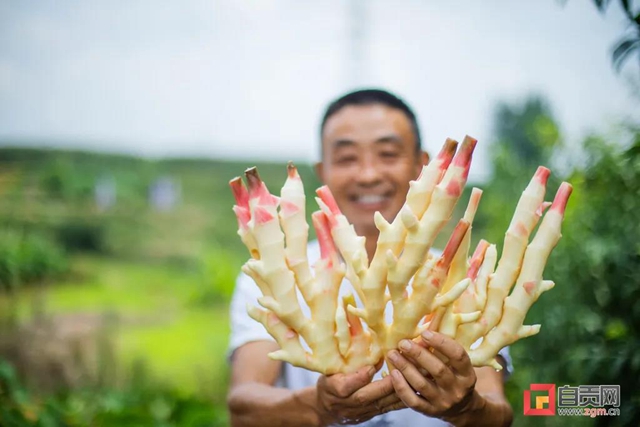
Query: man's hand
[353, 398]
[428, 385]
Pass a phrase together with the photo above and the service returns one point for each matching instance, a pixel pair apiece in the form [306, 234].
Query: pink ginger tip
[292, 171]
[477, 259]
[474, 200]
[262, 215]
[562, 196]
[454, 188]
[257, 188]
[447, 152]
[327, 198]
[323, 231]
[454, 242]
[542, 175]
[463, 156]
[288, 208]
[243, 215]
[240, 192]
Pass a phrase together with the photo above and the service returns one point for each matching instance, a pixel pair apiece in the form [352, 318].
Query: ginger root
[471, 300]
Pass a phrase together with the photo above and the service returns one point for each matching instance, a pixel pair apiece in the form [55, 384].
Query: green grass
[179, 343]
[187, 352]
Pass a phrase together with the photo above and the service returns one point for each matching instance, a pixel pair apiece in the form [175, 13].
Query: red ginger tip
[323, 231]
[447, 152]
[542, 175]
[454, 243]
[262, 215]
[560, 201]
[257, 188]
[243, 215]
[292, 171]
[476, 259]
[327, 198]
[463, 156]
[240, 192]
[288, 208]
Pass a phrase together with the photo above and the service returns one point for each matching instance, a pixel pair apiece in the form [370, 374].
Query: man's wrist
[308, 398]
[471, 410]
[482, 411]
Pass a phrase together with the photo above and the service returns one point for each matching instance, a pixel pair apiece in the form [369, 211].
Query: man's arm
[455, 391]
[254, 401]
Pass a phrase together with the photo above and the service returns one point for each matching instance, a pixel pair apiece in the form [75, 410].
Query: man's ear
[319, 168]
[423, 159]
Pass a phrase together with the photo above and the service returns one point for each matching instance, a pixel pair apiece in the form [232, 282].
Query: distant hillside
[55, 190]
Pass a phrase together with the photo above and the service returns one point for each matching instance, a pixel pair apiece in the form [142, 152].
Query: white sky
[250, 78]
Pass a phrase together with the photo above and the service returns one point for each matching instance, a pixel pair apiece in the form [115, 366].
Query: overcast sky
[249, 78]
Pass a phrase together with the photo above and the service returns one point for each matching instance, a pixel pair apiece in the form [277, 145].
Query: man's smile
[371, 201]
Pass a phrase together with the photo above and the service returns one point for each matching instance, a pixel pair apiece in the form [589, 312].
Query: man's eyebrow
[389, 139]
[343, 143]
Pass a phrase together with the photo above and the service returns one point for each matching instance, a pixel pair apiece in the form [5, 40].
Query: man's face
[369, 157]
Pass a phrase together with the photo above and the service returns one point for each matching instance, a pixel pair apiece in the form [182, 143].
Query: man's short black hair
[370, 97]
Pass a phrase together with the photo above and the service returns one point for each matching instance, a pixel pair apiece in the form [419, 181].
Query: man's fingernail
[371, 371]
[427, 335]
[393, 355]
[405, 345]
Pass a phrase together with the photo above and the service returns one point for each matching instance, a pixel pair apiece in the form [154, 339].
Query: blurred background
[121, 124]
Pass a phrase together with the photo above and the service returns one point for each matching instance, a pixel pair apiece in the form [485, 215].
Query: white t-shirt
[244, 330]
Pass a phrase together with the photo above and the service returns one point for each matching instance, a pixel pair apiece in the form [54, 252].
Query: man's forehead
[366, 122]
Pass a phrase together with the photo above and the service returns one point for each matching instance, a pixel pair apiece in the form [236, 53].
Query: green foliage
[590, 320]
[526, 137]
[220, 269]
[85, 236]
[27, 258]
[134, 406]
[592, 324]
[62, 180]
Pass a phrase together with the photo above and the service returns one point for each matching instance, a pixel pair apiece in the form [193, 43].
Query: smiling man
[371, 150]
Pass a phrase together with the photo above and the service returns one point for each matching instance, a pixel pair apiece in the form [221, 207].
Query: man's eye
[389, 154]
[346, 159]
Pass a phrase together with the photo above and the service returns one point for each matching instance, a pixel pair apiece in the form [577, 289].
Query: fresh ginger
[470, 300]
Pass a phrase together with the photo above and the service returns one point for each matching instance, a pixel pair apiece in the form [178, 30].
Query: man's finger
[407, 394]
[393, 407]
[452, 350]
[389, 401]
[374, 391]
[344, 385]
[416, 380]
[419, 355]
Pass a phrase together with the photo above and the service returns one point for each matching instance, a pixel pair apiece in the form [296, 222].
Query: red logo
[545, 404]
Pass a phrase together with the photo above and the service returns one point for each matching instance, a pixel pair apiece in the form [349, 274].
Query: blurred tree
[526, 137]
[630, 43]
[591, 320]
[591, 328]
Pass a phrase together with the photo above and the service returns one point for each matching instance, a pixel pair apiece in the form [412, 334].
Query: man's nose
[369, 173]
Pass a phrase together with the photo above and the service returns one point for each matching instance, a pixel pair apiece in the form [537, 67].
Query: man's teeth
[371, 199]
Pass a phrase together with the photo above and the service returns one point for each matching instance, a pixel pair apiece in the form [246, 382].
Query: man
[371, 149]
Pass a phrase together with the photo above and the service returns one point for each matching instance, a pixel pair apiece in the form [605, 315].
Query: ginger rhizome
[480, 301]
